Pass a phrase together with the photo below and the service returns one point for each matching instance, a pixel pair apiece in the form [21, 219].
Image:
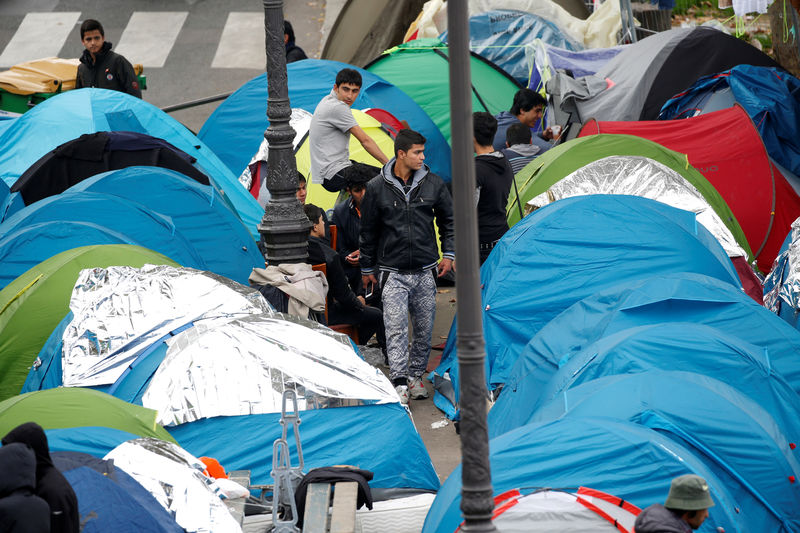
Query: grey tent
[640, 79]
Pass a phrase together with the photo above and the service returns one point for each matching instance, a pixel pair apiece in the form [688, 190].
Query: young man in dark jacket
[293, 52]
[347, 219]
[344, 306]
[493, 178]
[398, 243]
[51, 485]
[21, 510]
[102, 68]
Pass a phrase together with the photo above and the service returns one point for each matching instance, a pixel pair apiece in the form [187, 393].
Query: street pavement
[193, 49]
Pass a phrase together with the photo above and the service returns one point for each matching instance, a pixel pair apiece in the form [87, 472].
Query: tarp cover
[502, 35]
[33, 304]
[769, 95]
[620, 458]
[730, 432]
[782, 286]
[175, 478]
[660, 299]
[118, 311]
[235, 129]
[568, 250]
[547, 59]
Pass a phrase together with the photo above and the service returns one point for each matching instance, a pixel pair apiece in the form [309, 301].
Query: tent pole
[477, 501]
[284, 227]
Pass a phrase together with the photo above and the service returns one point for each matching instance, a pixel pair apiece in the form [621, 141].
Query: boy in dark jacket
[398, 243]
[102, 68]
[51, 485]
[21, 511]
[493, 178]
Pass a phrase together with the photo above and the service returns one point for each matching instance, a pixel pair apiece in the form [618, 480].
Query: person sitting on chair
[344, 307]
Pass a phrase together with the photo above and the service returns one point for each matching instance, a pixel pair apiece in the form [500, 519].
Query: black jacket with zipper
[109, 71]
[397, 232]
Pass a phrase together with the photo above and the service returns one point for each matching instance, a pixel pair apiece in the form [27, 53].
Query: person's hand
[445, 266]
[362, 300]
[352, 258]
[552, 133]
[366, 279]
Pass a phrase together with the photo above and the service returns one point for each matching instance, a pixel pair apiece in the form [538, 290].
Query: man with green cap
[686, 508]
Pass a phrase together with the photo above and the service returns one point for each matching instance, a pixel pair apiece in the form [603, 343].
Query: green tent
[74, 407]
[32, 305]
[420, 68]
[559, 162]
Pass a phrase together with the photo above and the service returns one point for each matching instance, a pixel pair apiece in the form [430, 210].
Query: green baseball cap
[689, 493]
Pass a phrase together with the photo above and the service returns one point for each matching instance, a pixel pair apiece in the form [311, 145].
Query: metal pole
[195, 103]
[284, 227]
[477, 501]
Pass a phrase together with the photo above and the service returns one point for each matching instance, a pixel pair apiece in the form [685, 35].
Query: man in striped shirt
[519, 151]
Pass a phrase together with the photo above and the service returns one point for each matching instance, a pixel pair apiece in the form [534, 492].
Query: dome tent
[620, 458]
[32, 305]
[217, 234]
[68, 115]
[736, 164]
[725, 429]
[420, 69]
[566, 251]
[27, 238]
[660, 299]
[235, 129]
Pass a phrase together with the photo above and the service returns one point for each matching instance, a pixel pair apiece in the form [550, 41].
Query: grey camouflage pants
[405, 294]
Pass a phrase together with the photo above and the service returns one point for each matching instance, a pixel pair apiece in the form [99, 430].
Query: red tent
[727, 149]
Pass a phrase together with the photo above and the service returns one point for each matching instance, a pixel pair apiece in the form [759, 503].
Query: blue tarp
[94, 440]
[619, 458]
[569, 250]
[780, 286]
[68, 115]
[107, 505]
[32, 235]
[734, 436]
[770, 96]
[580, 63]
[197, 212]
[502, 35]
[689, 347]
[680, 297]
[236, 128]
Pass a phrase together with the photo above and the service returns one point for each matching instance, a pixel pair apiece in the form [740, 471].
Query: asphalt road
[190, 49]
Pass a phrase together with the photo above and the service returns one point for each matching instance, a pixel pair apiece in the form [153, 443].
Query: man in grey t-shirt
[331, 126]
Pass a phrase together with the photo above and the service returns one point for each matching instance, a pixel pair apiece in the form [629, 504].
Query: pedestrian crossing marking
[242, 42]
[39, 35]
[149, 36]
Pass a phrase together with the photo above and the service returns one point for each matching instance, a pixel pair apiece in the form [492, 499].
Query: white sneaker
[402, 393]
[416, 389]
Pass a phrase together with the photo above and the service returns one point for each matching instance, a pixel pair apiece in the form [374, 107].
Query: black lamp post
[477, 502]
[284, 227]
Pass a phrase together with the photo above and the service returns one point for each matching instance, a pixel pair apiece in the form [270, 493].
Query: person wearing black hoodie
[21, 510]
[100, 67]
[51, 485]
[293, 52]
[493, 178]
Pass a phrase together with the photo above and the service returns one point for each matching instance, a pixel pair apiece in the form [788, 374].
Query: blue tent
[770, 96]
[68, 115]
[548, 58]
[620, 458]
[567, 251]
[30, 236]
[502, 36]
[689, 347]
[9, 203]
[236, 128]
[93, 440]
[730, 432]
[111, 500]
[218, 236]
[680, 297]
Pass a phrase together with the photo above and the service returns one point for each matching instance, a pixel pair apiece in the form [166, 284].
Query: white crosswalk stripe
[39, 35]
[242, 42]
[149, 36]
